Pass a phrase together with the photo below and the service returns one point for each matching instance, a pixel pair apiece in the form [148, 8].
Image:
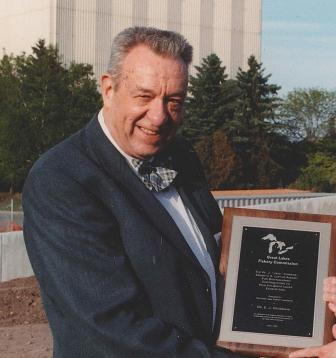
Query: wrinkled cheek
[130, 129]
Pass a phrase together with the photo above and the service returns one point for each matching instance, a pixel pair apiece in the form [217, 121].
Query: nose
[157, 112]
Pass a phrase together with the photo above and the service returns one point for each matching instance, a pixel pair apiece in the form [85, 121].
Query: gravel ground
[26, 341]
[24, 331]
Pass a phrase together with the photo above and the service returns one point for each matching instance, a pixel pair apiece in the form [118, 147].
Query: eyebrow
[149, 91]
[144, 90]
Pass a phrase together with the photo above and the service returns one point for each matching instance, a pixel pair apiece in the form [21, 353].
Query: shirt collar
[101, 121]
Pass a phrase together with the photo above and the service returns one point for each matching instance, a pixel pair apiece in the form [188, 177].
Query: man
[119, 223]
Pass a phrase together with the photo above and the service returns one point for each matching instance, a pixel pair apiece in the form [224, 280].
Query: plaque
[274, 264]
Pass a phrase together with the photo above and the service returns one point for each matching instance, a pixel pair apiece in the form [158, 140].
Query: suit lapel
[117, 167]
[189, 201]
[190, 188]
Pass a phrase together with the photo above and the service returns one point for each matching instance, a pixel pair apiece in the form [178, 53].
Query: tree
[309, 114]
[291, 156]
[256, 103]
[252, 127]
[211, 100]
[319, 174]
[43, 103]
[221, 165]
[11, 150]
[231, 124]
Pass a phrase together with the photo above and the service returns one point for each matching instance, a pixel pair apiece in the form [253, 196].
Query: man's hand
[326, 351]
[329, 292]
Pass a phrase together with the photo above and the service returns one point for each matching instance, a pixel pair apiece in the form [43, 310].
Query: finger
[306, 352]
[329, 289]
[331, 280]
[332, 306]
[329, 297]
[329, 284]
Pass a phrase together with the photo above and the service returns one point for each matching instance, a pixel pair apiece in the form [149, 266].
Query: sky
[299, 43]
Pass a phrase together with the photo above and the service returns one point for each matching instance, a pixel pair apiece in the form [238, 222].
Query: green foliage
[253, 139]
[290, 156]
[211, 100]
[309, 114]
[326, 145]
[229, 122]
[252, 131]
[308, 120]
[319, 174]
[256, 103]
[42, 103]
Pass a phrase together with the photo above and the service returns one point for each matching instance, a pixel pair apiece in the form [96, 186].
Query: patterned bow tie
[156, 174]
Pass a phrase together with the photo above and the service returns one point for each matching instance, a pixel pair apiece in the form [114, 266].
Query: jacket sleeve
[86, 280]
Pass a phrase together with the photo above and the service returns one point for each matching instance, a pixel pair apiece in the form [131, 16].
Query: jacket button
[207, 290]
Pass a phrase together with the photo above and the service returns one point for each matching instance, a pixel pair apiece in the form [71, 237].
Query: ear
[106, 83]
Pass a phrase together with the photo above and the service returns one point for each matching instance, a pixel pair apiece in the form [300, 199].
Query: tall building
[83, 29]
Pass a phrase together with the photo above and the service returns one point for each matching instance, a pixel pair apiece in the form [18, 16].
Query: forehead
[143, 65]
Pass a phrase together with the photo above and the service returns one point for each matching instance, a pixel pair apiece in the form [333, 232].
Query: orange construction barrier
[10, 226]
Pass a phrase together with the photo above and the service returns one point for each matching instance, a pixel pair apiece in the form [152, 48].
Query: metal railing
[241, 200]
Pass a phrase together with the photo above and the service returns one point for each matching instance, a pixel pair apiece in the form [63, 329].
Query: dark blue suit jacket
[117, 277]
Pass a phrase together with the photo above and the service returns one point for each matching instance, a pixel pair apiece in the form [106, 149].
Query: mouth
[149, 131]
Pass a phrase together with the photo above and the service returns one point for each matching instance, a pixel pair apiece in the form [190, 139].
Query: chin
[150, 150]
[149, 154]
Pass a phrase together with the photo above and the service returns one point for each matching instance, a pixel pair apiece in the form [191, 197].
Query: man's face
[144, 112]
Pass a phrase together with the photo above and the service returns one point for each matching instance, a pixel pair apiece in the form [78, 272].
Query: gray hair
[162, 42]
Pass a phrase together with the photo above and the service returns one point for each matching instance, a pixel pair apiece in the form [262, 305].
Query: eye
[143, 98]
[175, 104]
[146, 96]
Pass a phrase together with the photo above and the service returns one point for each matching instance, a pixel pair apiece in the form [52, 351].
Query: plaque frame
[253, 343]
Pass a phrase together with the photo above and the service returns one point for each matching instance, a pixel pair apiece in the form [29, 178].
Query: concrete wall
[23, 22]
[84, 29]
[14, 260]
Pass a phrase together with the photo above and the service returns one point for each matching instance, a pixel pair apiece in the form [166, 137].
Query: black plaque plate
[276, 281]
